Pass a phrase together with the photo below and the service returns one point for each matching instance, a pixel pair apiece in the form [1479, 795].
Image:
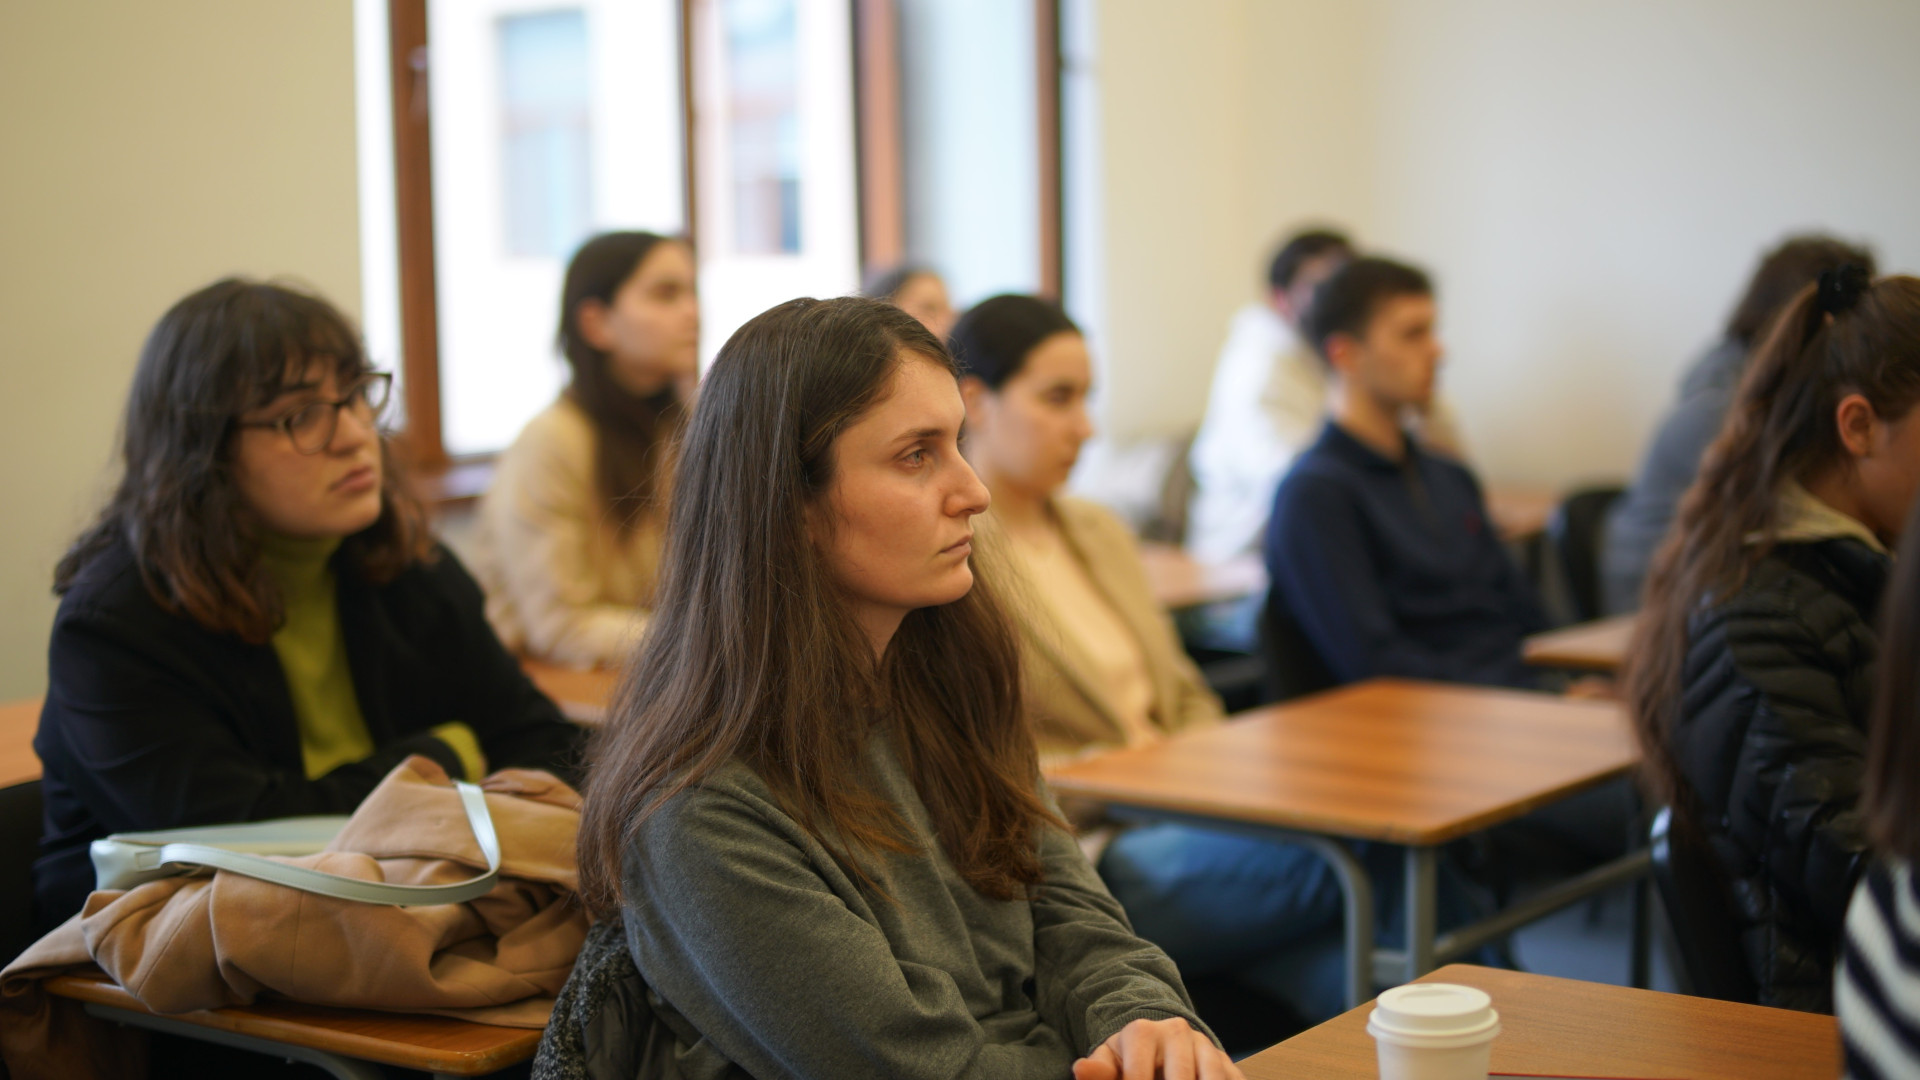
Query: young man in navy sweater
[1380, 551]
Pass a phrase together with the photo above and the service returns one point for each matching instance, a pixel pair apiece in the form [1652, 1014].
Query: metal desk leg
[1357, 889]
[1421, 901]
[343, 1068]
[1641, 975]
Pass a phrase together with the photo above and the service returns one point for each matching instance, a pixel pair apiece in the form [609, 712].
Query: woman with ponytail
[571, 531]
[1753, 666]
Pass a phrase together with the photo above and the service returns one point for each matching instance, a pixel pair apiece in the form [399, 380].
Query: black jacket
[155, 722]
[1771, 740]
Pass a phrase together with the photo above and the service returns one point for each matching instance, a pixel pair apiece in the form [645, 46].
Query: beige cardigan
[561, 583]
[1070, 715]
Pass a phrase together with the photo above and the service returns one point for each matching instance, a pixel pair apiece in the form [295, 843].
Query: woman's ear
[975, 395]
[591, 317]
[1857, 424]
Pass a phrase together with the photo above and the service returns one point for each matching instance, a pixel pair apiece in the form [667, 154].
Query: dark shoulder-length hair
[1891, 798]
[992, 341]
[753, 653]
[1843, 336]
[231, 347]
[634, 436]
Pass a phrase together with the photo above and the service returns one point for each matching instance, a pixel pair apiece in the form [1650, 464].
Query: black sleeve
[1795, 798]
[148, 738]
[516, 723]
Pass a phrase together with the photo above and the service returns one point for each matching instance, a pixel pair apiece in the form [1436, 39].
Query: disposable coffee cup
[1433, 1031]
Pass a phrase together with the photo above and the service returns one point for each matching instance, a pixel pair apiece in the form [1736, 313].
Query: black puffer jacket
[1771, 740]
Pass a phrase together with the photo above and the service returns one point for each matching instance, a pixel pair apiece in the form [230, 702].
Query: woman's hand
[1157, 1050]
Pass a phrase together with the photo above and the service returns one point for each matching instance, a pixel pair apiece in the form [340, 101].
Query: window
[545, 98]
[519, 127]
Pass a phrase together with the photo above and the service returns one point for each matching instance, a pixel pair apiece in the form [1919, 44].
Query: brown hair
[1793, 265]
[752, 653]
[234, 346]
[1891, 799]
[633, 436]
[1781, 427]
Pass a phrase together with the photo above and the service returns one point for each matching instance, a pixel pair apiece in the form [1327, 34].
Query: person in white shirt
[1267, 404]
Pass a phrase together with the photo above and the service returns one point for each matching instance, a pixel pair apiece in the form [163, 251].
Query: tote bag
[124, 860]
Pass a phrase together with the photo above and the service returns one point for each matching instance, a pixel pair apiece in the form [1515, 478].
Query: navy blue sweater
[1392, 568]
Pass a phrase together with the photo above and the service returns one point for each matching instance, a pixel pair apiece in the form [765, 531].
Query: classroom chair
[19, 846]
[1576, 529]
[1293, 665]
[1711, 961]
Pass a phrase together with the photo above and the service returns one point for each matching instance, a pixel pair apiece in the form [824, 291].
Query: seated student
[1267, 404]
[259, 624]
[1752, 669]
[816, 804]
[1102, 662]
[1380, 551]
[1102, 665]
[571, 528]
[1638, 524]
[1876, 993]
[918, 291]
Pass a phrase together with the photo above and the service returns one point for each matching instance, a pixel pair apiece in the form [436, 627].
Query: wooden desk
[1519, 513]
[18, 721]
[1180, 581]
[1408, 763]
[1565, 1027]
[320, 1035]
[1599, 646]
[581, 695]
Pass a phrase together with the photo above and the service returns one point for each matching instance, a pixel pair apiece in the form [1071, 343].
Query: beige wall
[1590, 183]
[145, 149]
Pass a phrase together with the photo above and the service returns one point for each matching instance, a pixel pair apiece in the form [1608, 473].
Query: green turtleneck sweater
[313, 655]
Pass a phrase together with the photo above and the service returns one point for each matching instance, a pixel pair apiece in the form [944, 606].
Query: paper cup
[1433, 1031]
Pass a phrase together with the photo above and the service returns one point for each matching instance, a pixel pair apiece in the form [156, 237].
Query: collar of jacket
[1804, 519]
[1335, 440]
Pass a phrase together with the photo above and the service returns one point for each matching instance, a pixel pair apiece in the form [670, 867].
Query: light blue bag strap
[321, 883]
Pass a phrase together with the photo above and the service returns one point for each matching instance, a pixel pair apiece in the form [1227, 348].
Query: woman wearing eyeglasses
[259, 625]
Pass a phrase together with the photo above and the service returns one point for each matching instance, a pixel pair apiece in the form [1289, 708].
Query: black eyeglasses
[311, 427]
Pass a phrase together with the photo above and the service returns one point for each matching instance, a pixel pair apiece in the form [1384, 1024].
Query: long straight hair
[634, 436]
[1781, 427]
[231, 347]
[753, 653]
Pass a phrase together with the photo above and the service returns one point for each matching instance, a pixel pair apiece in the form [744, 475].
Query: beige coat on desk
[562, 582]
[1070, 713]
[186, 943]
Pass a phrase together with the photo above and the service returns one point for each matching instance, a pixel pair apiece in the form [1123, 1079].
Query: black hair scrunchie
[1842, 287]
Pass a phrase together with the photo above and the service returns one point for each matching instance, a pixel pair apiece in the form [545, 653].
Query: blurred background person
[571, 531]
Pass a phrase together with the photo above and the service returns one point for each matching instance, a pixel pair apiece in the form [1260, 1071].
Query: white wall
[145, 149]
[1590, 183]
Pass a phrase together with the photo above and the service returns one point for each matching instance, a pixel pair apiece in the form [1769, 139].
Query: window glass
[549, 123]
[546, 116]
[764, 130]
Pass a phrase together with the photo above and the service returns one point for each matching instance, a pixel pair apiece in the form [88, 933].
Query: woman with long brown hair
[816, 803]
[259, 624]
[571, 529]
[1753, 665]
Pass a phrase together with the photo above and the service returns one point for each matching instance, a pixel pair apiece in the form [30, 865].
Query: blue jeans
[1266, 912]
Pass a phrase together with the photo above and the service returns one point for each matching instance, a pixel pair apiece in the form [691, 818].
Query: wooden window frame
[879, 177]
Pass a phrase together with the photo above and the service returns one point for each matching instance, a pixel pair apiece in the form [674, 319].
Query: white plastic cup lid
[1434, 1009]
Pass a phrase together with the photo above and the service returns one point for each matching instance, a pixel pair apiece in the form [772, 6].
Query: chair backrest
[20, 826]
[1575, 530]
[1294, 667]
[1699, 913]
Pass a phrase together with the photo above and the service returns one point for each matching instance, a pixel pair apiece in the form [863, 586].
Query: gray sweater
[763, 955]
[1639, 522]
